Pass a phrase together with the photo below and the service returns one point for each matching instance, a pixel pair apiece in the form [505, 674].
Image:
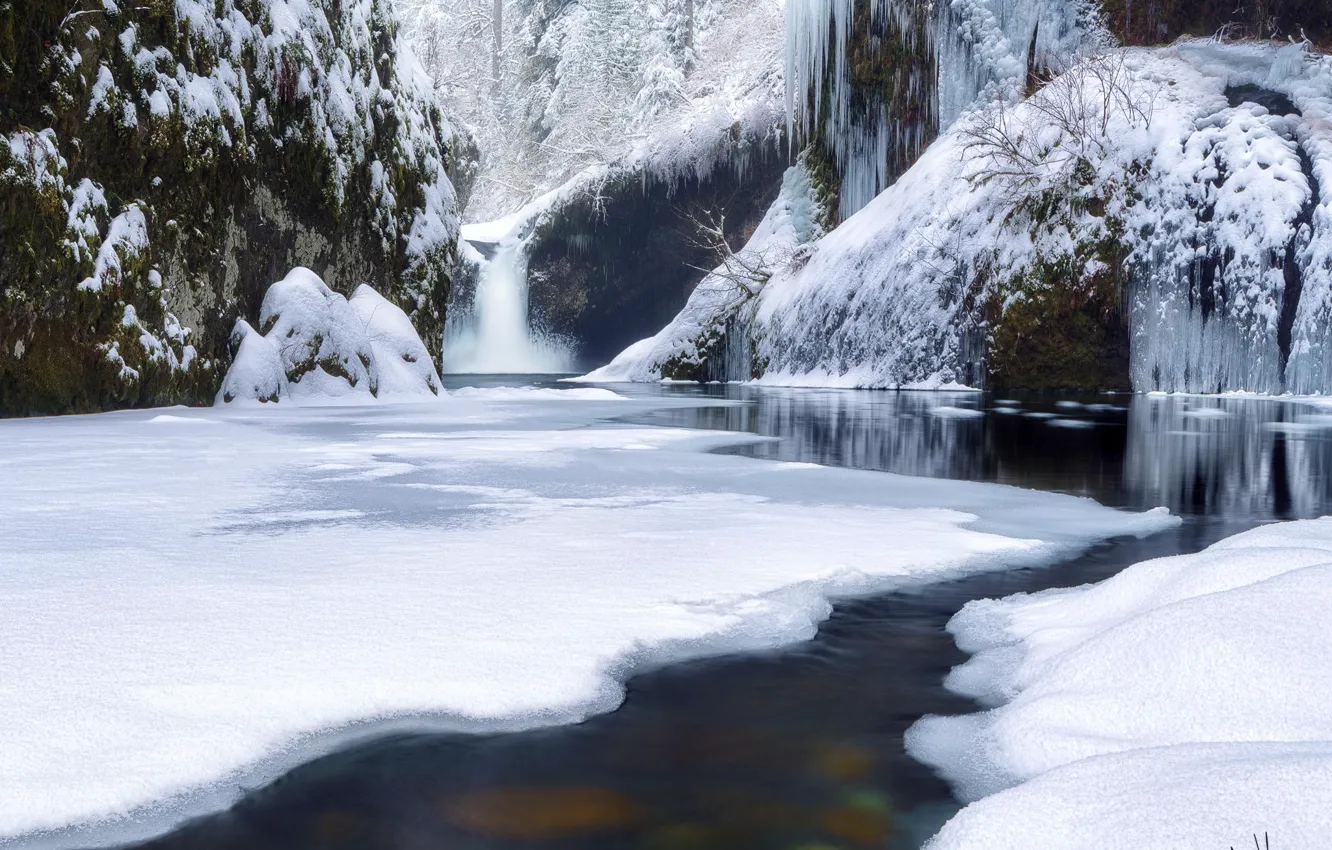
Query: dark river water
[802, 749]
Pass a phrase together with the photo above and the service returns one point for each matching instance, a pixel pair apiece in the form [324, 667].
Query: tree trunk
[499, 37]
[689, 35]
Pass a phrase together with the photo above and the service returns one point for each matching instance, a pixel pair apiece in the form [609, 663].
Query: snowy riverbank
[192, 601]
[1181, 703]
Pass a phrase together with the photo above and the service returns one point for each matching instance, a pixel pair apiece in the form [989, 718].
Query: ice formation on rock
[1184, 179]
[944, 54]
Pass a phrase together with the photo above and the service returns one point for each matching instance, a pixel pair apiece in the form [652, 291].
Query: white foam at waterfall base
[495, 336]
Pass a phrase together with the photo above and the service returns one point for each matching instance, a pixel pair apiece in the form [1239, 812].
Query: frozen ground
[1181, 703]
[191, 601]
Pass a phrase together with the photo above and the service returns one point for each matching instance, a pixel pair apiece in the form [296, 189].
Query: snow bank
[1184, 699]
[1196, 795]
[315, 345]
[188, 610]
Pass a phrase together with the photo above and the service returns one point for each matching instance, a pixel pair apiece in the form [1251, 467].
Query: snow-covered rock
[707, 339]
[1170, 191]
[1182, 701]
[315, 344]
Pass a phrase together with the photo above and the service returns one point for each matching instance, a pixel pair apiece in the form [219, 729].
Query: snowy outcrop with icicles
[1163, 203]
[314, 344]
[873, 83]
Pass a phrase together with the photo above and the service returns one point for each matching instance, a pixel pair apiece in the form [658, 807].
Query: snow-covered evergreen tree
[588, 82]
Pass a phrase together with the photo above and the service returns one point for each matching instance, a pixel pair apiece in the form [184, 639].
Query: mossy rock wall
[891, 80]
[611, 268]
[1163, 21]
[167, 160]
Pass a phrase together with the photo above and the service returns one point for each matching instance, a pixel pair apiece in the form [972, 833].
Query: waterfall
[494, 336]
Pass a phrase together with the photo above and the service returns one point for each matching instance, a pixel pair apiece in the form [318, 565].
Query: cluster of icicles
[957, 50]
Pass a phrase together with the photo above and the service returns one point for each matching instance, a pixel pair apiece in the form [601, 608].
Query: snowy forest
[665, 424]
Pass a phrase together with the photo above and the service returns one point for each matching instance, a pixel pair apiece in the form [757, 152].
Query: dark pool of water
[802, 749]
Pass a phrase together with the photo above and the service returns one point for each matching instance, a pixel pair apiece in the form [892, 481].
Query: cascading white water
[494, 337]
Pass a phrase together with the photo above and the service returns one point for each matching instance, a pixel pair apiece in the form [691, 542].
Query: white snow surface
[194, 600]
[318, 345]
[1181, 703]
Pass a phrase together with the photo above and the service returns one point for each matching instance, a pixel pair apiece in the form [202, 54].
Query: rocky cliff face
[165, 161]
[611, 268]
[1160, 22]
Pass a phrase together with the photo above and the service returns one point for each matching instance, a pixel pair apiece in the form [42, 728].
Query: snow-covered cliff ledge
[1169, 193]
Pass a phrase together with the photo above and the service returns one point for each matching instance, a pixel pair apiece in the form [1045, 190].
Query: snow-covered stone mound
[314, 344]
[1181, 703]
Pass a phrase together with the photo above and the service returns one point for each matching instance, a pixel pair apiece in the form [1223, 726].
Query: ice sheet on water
[185, 610]
[537, 393]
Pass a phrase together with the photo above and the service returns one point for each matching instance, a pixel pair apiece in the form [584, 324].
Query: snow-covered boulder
[401, 361]
[313, 344]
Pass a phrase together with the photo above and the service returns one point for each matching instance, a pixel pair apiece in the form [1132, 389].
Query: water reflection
[1234, 457]
[1239, 457]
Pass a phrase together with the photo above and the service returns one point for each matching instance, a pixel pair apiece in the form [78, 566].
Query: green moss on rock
[1059, 322]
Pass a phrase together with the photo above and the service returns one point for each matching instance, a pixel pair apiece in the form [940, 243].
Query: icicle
[868, 147]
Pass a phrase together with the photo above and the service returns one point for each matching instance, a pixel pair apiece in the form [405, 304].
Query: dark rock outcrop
[1163, 21]
[609, 269]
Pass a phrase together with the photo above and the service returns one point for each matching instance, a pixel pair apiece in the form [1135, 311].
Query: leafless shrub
[749, 269]
[1067, 122]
